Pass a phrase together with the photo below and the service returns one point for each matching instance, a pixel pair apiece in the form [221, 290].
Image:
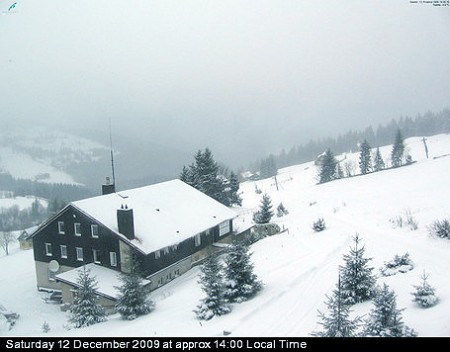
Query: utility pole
[424, 140]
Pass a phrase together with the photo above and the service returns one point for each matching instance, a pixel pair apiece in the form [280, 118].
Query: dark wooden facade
[108, 241]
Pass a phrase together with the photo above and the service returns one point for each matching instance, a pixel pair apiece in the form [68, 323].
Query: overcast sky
[233, 75]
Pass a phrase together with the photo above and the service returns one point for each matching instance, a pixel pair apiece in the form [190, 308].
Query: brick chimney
[125, 221]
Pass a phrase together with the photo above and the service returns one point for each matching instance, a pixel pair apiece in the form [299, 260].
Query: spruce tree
[211, 280]
[203, 175]
[365, 158]
[265, 212]
[133, 301]
[240, 282]
[327, 171]
[397, 150]
[378, 161]
[385, 320]
[358, 281]
[425, 294]
[85, 310]
[234, 198]
[337, 322]
[339, 171]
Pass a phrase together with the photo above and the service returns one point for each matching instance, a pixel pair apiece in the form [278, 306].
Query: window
[61, 227]
[113, 258]
[166, 250]
[77, 227]
[63, 251]
[224, 228]
[96, 256]
[157, 254]
[79, 254]
[94, 231]
[48, 249]
[198, 240]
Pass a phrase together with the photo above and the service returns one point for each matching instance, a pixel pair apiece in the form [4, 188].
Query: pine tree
[85, 310]
[265, 212]
[203, 175]
[133, 301]
[241, 283]
[378, 161]
[397, 150]
[385, 320]
[365, 158]
[339, 171]
[45, 327]
[358, 281]
[234, 197]
[281, 210]
[337, 322]
[327, 170]
[212, 283]
[425, 295]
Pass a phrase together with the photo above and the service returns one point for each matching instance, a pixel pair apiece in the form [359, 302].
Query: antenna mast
[112, 154]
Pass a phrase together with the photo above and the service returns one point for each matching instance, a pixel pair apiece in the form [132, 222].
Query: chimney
[108, 187]
[125, 221]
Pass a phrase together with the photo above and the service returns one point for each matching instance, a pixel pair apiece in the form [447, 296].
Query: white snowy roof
[107, 279]
[165, 214]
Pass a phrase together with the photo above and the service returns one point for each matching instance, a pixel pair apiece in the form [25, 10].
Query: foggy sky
[243, 77]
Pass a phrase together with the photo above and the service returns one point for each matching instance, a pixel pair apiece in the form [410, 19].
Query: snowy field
[297, 267]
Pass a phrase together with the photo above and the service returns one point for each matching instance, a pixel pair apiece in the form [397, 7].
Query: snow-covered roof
[165, 214]
[107, 279]
[26, 234]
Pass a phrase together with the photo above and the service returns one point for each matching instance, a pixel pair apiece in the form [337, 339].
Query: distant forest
[423, 125]
[58, 191]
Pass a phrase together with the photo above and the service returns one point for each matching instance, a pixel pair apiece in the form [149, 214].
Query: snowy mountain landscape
[298, 266]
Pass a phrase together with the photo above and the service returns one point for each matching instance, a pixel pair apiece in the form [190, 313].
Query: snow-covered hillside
[45, 155]
[299, 266]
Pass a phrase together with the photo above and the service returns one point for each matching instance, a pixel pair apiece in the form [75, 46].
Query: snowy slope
[299, 266]
[44, 154]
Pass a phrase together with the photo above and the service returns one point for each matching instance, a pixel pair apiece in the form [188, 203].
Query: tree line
[427, 124]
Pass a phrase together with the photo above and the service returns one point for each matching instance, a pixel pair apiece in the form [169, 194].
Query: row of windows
[80, 254]
[77, 229]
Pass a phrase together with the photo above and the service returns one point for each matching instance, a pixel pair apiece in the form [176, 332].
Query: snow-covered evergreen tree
[378, 161]
[45, 327]
[358, 281]
[327, 171]
[425, 294]
[365, 158]
[241, 283]
[234, 197]
[397, 150]
[133, 301]
[268, 167]
[265, 212]
[337, 322]
[281, 210]
[212, 283]
[339, 171]
[385, 320]
[203, 175]
[319, 225]
[85, 309]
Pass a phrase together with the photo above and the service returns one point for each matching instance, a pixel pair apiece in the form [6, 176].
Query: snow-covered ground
[42, 154]
[21, 202]
[299, 266]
